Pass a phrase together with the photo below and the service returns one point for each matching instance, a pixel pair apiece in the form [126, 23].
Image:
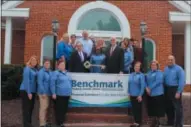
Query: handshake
[87, 65]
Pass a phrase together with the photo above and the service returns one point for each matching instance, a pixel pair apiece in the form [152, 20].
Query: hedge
[11, 77]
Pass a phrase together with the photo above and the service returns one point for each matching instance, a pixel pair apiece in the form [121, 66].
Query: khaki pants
[44, 103]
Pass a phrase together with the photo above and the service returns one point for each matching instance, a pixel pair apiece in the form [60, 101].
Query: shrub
[11, 77]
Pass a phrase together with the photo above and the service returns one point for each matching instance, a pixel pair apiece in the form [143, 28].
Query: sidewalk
[11, 115]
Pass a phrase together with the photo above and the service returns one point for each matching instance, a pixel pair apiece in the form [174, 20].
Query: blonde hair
[65, 35]
[156, 62]
[29, 61]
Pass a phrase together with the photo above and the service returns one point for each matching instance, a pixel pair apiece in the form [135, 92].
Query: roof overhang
[11, 4]
[179, 17]
[17, 12]
[181, 5]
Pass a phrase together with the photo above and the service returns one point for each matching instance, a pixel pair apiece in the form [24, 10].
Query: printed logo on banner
[99, 90]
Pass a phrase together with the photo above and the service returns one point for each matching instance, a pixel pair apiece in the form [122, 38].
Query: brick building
[26, 27]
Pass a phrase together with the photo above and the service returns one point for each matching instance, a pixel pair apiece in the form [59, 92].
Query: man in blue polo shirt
[174, 79]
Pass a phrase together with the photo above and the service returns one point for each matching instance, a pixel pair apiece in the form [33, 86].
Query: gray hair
[78, 43]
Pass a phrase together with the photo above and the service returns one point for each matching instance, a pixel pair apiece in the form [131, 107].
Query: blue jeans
[174, 109]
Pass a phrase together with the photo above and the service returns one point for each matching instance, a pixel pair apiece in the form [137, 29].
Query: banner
[99, 90]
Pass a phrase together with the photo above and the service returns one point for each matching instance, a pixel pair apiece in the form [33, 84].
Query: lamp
[143, 29]
[55, 27]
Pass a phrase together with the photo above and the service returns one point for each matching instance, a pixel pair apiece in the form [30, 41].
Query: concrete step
[97, 125]
[97, 118]
[98, 110]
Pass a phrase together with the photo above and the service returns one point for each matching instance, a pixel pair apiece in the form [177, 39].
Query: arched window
[46, 48]
[99, 19]
[150, 49]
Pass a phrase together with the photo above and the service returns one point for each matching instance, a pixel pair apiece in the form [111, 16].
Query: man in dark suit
[77, 59]
[115, 58]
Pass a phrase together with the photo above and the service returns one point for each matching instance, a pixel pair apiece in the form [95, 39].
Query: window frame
[114, 10]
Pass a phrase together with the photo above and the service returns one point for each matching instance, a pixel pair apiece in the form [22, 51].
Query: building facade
[26, 27]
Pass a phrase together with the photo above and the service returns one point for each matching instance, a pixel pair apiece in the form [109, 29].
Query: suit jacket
[115, 62]
[76, 65]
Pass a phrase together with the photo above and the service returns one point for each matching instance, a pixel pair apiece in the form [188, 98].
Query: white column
[8, 41]
[187, 52]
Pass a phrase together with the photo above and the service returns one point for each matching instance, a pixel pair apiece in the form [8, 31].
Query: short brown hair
[138, 62]
[60, 61]
[156, 62]
[73, 35]
[46, 60]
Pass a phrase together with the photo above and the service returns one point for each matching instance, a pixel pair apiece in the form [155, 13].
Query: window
[47, 48]
[101, 19]
[98, 19]
[150, 52]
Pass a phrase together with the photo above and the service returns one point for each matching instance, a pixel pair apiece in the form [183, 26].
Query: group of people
[115, 58]
[45, 83]
[164, 89]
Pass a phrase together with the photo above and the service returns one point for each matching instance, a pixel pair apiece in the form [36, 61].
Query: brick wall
[155, 14]
[18, 40]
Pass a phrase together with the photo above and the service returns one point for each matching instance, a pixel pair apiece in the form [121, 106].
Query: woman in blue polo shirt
[28, 90]
[64, 49]
[97, 58]
[136, 86]
[128, 58]
[44, 91]
[61, 89]
[155, 90]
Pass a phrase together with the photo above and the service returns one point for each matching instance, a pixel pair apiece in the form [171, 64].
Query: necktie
[111, 51]
[81, 56]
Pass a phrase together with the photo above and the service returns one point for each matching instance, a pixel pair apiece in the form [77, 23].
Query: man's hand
[102, 67]
[148, 91]
[139, 98]
[177, 96]
[120, 72]
[30, 96]
[54, 96]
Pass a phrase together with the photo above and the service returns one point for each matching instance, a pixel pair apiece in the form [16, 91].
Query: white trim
[100, 33]
[181, 5]
[179, 17]
[154, 47]
[119, 15]
[8, 41]
[41, 51]
[187, 53]
[18, 12]
[11, 4]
